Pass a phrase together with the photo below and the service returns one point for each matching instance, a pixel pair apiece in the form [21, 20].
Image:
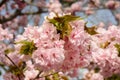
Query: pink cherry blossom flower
[10, 76]
[4, 34]
[30, 74]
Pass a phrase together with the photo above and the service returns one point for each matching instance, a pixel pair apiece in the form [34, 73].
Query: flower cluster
[4, 34]
[60, 46]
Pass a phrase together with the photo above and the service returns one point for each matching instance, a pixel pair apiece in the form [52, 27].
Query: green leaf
[27, 47]
[7, 51]
[62, 24]
[17, 70]
[14, 70]
[97, 69]
[118, 48]
[104, 45]
[64, 77]
[56, 76]
[91, 30]
[66, 3]
[69, 18]
[47, 78]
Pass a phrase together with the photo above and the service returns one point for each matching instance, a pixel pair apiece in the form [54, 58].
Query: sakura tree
[62, 44]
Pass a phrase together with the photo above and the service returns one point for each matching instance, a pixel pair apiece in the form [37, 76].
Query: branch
[19, 13]
[14, 65]
[11, 61]
[38, 75]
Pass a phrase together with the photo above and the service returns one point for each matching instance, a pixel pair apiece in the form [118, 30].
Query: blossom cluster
[4, 34]
[60, 46]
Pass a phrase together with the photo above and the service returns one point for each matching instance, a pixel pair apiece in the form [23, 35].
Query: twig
[13, 64]
[11, 60]
[19, 13]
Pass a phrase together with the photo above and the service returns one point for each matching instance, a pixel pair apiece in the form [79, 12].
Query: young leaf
[118, 48]
[47, 78]
[27, 47]
[62, 24]
[17, 70]
[7, 51]
[64, 77]
[69, 18]
[66, 3]
[91, 30]
[56, 76]
[104, 45]
[97, 69]
[14, 70]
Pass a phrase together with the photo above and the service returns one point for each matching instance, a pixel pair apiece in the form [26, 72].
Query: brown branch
[3, 20]
[38, 75]
[19, 13]
[14, 64]
[11, 60]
